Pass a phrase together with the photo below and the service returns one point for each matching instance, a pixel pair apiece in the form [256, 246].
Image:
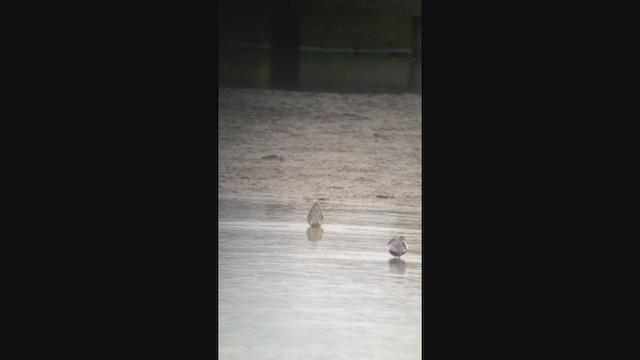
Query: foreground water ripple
[335, 294]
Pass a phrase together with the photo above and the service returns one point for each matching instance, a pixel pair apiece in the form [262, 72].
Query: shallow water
[287, 291]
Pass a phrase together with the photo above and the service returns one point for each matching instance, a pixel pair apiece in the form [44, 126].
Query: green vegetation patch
[364, 32]
[330, 31]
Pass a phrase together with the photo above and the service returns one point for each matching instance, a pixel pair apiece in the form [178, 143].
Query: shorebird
[396, 246]
[315, 216]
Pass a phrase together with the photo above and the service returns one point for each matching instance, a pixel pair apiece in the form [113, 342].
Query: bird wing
[315, 215]
[393, 240]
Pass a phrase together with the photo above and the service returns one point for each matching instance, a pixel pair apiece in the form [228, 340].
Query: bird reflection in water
[314, 234]
[397, 266]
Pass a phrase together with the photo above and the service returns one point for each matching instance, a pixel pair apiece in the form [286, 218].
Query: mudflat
[352, 149]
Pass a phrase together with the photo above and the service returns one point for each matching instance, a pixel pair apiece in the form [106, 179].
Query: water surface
[290, 292]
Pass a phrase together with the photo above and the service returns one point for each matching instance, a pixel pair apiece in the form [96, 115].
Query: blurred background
[332, 46]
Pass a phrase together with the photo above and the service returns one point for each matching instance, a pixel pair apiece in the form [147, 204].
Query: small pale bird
[315, 216]
[396, 246]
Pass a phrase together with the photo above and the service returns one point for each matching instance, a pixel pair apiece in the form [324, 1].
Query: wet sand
[350, 149]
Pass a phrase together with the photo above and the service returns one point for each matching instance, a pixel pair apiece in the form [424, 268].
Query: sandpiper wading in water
[396, 246]
[315, 216]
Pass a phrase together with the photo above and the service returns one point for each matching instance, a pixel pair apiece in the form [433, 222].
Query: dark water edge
[324, 71]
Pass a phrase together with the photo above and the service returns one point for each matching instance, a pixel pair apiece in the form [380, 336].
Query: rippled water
[287, 291]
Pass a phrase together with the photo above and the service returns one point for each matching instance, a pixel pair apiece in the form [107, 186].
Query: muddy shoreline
[353, 149]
